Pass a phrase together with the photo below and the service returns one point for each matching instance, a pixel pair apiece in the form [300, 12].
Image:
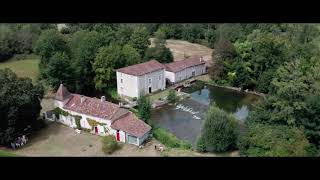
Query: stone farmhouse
[184, 69]
[99, 117]
[141, 79]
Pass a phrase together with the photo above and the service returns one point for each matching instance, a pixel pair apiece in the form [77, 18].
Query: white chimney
[103, 98]
[82, 99]
[201, 59]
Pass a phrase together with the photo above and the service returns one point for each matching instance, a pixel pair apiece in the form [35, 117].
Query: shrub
[144, 108]
[109, 144]
[170, 140]
[172, 96]
[220, 131]
[263, 140]
[200, 147]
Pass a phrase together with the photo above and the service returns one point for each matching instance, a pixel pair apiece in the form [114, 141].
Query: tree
[84, 45]
[144, 108]
[273, 140]
[160, 39]
[19, 105]
[310, 119]
[123, 34]
[130, 55]
[223, 54]
[50, 42]
[104, 64]
[161, 54]
[219, 132]
[59, 70]
[172, 96]
[6, 50]
[140, 39]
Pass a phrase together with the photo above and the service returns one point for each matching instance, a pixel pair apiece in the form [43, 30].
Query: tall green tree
[262, 140]
[104, 64]
[59, 70]
[220, 131]
[130, 55]
[144, 108]
[140, 39]
[84, 45]
[19, 106]
[50, 42]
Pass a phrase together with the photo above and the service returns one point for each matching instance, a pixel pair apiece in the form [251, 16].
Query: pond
[186, 122]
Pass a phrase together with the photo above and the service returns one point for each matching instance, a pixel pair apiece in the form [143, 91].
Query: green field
[23, 68]
[7, 154]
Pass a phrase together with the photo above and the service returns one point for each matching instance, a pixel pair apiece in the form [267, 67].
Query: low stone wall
[240, 90]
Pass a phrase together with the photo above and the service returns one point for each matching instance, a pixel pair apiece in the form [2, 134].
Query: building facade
[184, 69]
[100, 117]
[141, 79]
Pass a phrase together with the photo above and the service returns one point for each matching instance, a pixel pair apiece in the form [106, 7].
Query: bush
[262, 140]
[144, 108]
[200, 147]
[109, 144]
[220, 131]
[170, 140]
[172, 96]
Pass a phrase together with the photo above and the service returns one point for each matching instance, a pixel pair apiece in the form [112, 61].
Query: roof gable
[91, 106]
[132, 125]
[142, 68]
[62, 93]
[183, 64]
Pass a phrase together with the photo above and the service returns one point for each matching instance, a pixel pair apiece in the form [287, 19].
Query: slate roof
[142, 68]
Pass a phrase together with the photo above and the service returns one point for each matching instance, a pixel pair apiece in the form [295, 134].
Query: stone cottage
[184, 69]
[141, 79]
[99, 117]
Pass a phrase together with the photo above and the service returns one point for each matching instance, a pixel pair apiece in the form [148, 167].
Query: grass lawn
[6, 154]
[160, 94]
[180, 48]
[23, 68]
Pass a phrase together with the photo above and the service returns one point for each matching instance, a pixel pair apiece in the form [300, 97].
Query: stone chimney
[82, 99]
[103, 98]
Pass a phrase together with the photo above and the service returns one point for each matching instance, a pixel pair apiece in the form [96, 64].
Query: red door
[96, 130]
[118, 136]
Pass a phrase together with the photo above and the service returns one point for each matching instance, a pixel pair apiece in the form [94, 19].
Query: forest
[279, 60]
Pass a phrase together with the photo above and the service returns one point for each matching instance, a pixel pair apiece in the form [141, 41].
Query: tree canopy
[19, 105]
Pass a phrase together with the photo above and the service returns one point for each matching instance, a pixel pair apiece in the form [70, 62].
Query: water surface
[185, 126]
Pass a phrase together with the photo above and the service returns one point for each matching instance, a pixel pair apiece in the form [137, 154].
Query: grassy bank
[23, 67]
[170, 140]
[7, 154]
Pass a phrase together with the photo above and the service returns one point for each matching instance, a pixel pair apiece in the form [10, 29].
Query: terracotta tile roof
[183, 64]
[142, 68]
[132, 125]
[91, 106]
[62, 93]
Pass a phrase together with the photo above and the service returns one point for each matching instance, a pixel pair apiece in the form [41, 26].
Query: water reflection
[185, 126]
